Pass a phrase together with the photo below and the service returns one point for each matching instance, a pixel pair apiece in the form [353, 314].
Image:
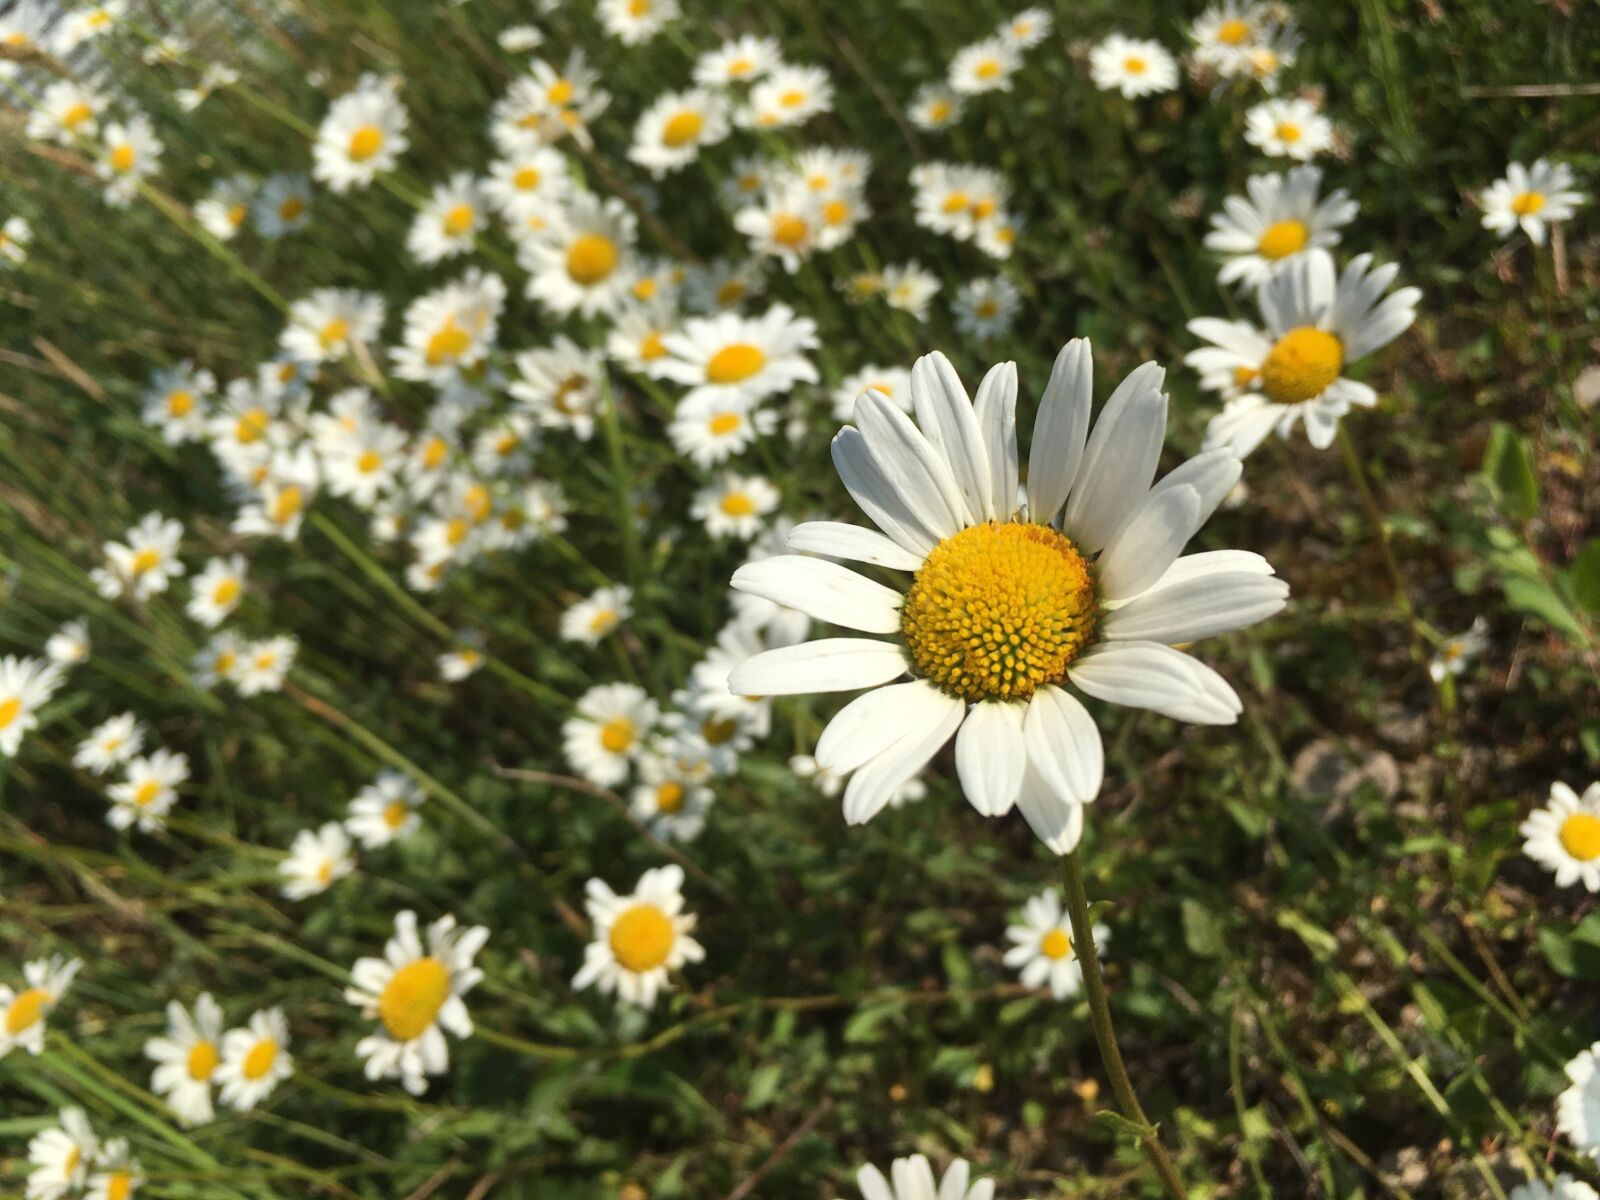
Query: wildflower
[450, 329]
[176, 402]
[1564, 1188]
[216, 591]
[633, 22]
[1288, 128]
[148, 791]
[67, 646]
[734, 505]
[263, 665]
[362, 137]
[15, 236]
[23, 1013]
[533, 180]
[1530, 198]
[385, 809]
[1042, 946]
[61, 1156]
[1455, 653]
[985, 308]
[129, 153]
[1132, 66]
[110, 744]
[592, 618]
[1225, 34]
[913, 1179]
[580, 264]
[282, 206]
[187, 1057]
[26, 685]
[936, 106]
[609, 731]
[638, 938]
[670, 802]
[66, 111]
[116, 1175]
[729, 357]
[1578, 1108]
[1027, 29]
[450, 221]
[144, 564]
[1279, 220]
[560, 385]
[788, 96]
[744, 59]
[909, 288]
[1565, 836]
[327, 323]
[985, 66]
[255, 1059]
[317, 859]
[671, 133]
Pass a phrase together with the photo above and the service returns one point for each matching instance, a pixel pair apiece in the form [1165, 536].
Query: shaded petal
[951, 426]
[1151, 675]
[1119, 460]
[823, 590]
[912, 467]
[1059, 431]
[1187, 611]
[1063, 746]
[884, 506]
[825, 665]
[1149, 542]
[871, 786]
[1056, 822]
[837, 539]
[990, 756]
[996, 408]
[862, 728]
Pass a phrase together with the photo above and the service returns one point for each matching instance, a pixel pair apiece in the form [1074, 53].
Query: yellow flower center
[603, 621]
[641, 938]
[448, 344]
[251, 425]
[560, 92]
[260, 1059]
[145, 794]
[738, 504]
[334, 332]
[9, 710]
[365, 142]
[433, 453]
[987, 308]
[789, 230]
[1287, 131]
[792, 98]
[17, 39]
[987, 69]
[1527, 204]
[669, 796]
[224, 661]
[984, 208]
[286, 507]
[1302, 365]
[939, 111]
[119, 1186]
[76, 115]
[69, 1165]
[395, 813]
[955, 202]
[1232, 33]
[682, 129]
[1283, 239]
[638, 8]
[147, 559]
[733, 291]
[1134, 65]
[1580, 836]
[180, 403]
[122, 158]
[999, 610]
[236, 214]
[740, 66]
[616, 735]
[735, 363]
[225, 592]
[202, 1061]
[725, 423]
[1056, 944]
[836, 212]
[458, 220]
[652, 348]
[716, 732]
[477, 501]
[292, 208]
[591, 258]
[27, 1010]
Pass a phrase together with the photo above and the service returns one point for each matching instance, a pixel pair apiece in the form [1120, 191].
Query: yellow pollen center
[291, 208]
[225, 592]
[365, 142]
[146, 793]
[740, 66]
[1055, 944]
[448, 344]
[836, 212]
[987, 69]
[1288, 132]
[1232, 33]
[792, 98]
[260, 1059]
[616, 735]
[477, 501]
[682, 129]
[119, 1186]
[17, 38]
[1133, 66]
[334, 332]
[641, 938]
[789, 230]
[202, 1061]
[651, 348]
[591, 258]
[738, 504]
[1302, 365]
[122, 158]
[433, 453]
[999, 610]
[76, 115]
[669, 796]
[1580, 836]
[560, 92]
[286, 507]
[718, 732]
[9, 710]
[369, 462]
[1527, 204]
[458, 220]
[526, 179]
[731, 293]
[984, 208]
[1283, 239]
[252, 424]
[603, 621]
[955, 202]
[395, 813]
[639, 8]
[735, 363]
[725, 423]
[180, 403]
[147, 559]
[26, 1010]
[224, 661]
[939, 111]
[69, 1165]
[987, 308]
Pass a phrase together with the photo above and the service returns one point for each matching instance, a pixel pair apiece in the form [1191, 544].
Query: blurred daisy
[1456, 653]
[26, 685]
[532, 180]
[633, 22]
[1564, 1188]
[1281, 218]
[1564, 836]
[148, 791]
[116, 1176]
[282, 206]
[639, 938]
[1317, 322]
[913, 1179]
[985, 308]
[87, 23]
[595, 616]
[450, 329]
[1288, 128]
[325, 324]
[1530, 198]
[255, 1059]
[24, 1012]
[216, 591]
[176, 402]
[1094, 575]
[456, 665]
[670, 802]
[561, 385]
[580, 264]
[728, 357]
[213, 77]
[909, 288]
[65, 112]
[450, 221]
[385, 809]
[187, 1057]
[638, 337]
[893, 382]
[985, 66]
[1578, 1108]
[66, 647]
[935, 106]
[551, 103]
[15, 236]
[1042, 946]
[110, 744]
[263, 665]
[708, 428]
[734, 505]
[60, 1156]
[1027, 29]
[1225, 33]
[144, 564]
[1132, 66]
[788, 96]
[519, 39]
[742, 60]
[609, 731]
[286, 486]
[672, 131]
[317, 859]
[416, 993]
[217, 660]
[363, 136]
[129, 154]
[785, 223]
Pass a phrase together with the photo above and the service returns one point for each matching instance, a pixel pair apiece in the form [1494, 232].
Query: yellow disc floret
[413, 997]
[1527, 203]
[1580, 836]
[1056, 944]
[1301, 365]
[591, 258]
[734, 363]
[1282, 239]
[642, 938]
[999, 610]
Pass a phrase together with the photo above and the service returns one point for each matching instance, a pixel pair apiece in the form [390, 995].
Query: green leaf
[1202, 932]
[1585, 576]
[1508, 469]
[1539, 599]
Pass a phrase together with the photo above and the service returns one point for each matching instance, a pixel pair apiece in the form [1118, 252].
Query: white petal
[996, 409]
[862, 728]
[948, 422]
[913, 468]
[990, 756]
[825, 665]
[872, 1184]
[823, 590]
[883, 504]
[869, 789]
[1119, 460]
[1150, 675]
[1214, 562]
[1149, 542]
[1056, 822]
[1063, 746]
[1188, 611]
[1059, 431]
[836, 539]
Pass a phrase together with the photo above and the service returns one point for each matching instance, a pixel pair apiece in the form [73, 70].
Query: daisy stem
[1094, 990]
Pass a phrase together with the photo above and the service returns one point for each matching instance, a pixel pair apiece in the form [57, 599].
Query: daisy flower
[1564, 1188]
[25, 1012]
[148, 791]
[363, 465]
[286, 488]
[734, 505]
[363, 136]
[549, 103]
[637, 338]
[263, 665]
[187, 1057]
[175, 401]
[1042, 946]
[450, 221]
[519, 39]
[728, 357]
[893, 382]
[561, 385]
[1317, 322]
[955, 198]
[116, 1175]
[532, 180]
[216, 591]
[15, 236]
[144, 564]
[985, 308]
[255, 1059]
[24, 28]
[670, 133]
[215, 76]
[450, 329]
[785, 223]
[936, 106]
[1089, 566]
[1456, 653]
[88, 23]
[65, 112]
[324, 325]
[1288, 129]
[66, 647]
[909, 288]
[709, 429]
[129, 154]
[985, 66]
[217, 660]
[580, 264]
[1564, 836]
[913, 1179]
[1279, 219]
[609, 731]
[1578, 1108]
[110, 744]
[1530, 198]
[282, 206]
[634, 22]
[456, 665]
[385, 809]
[742, 60]
[670, 802]
[317, 858]
[595, 616]
[26, 685]
[638, 938]
[1132, 66]
[1225, 33]
[60, 1156]
[1027, 29]
[788, 96]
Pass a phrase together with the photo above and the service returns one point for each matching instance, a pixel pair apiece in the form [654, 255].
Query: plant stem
[1094, 990]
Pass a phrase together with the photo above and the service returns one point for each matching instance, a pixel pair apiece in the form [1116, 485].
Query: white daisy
[561, 385]
[363, 136]
[785, 223]
[60, 1156]
[637, 338]
[116, 1175]
[533, 180]
[671, 133]
[144, 564]
[669, 801]
[129, 154]
[729, 357]
[327, 323]
[594, 617]
[633, 22]
[893, 382]
[734, 505]
[26, 685]
[639, 938]
[1132, 66]
[1288, 128]
[581, 263]
[175, 401]
[217, 660]
[282, 206]
[1027, 29]
[456, 665]
[1281, 218]
[909, 288]
[1564, 836]
[936, 106]
[16, 234]
[148, 791]
[1225, 34]
[744, 59]
[283, 492]
[788, 96]
[255, 1059]
[110, 744]
[23, 1013]
[263, 665]
[985, 66]
[519, 39]
[708, 428]
[317, 859]
[67, 646]
[610, 730]
[450, 221]
[385, 809]
[1530, 198]
[450, 329]
[216, 591]
[1578, 1108]
[187, 1057]
[1042, 946]
[985, 308]
[65, 112]
[1456, 653]
[913, 1179]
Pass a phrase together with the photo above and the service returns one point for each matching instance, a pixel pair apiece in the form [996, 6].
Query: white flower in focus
[639, 938]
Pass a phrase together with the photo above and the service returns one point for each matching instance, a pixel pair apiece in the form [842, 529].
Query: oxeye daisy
[670, 802]
[175, 401]
[26, 685]
[1042, 946]
[91, 21]
[1087, 565]
[385, 809]
[1530, 199]
[187, 1057]
[1132, 66]
[362, 137]
[325, 324]
[609, 731]
[985, 308]
[23, 1012]
[1456, 653]
[365, 464]
[1564, 836]
[255, 1060]
[734, 505]
[1578, 1108]
[519, 39]
[60, 1157]
[893, 382]
[709, 429]
[728, 357]
[742, 60]
[671, 133]
[116, 1175]
[985, 66]
[785, 223]
[1279, 219]
[110, 744]
[1027, 29]
[467, 659]
[65, 112]
[66, 647]
[1288, 129]
[317, 859]
[1224, 34]
[788, 96]
[955, 198]
[215, 75]
[596, 616]
[263, 665]
[533, 179]
[560, 385]
[637, 339]
[282, 206]
[216, 591]
[15, 236]
[416, 992]
[1565, 1187]
[217, 660]
[129, 153]
[24, 29]
[450, 221]
[1317, 322]
[639, 938]
[913, 1179]
[282, 495]
[633, 22]
[909, 288]
[145, 564]
[721, 286]
[936, 106]
[148, 791]
[451, 329]
[581, 263]
[549, 104]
